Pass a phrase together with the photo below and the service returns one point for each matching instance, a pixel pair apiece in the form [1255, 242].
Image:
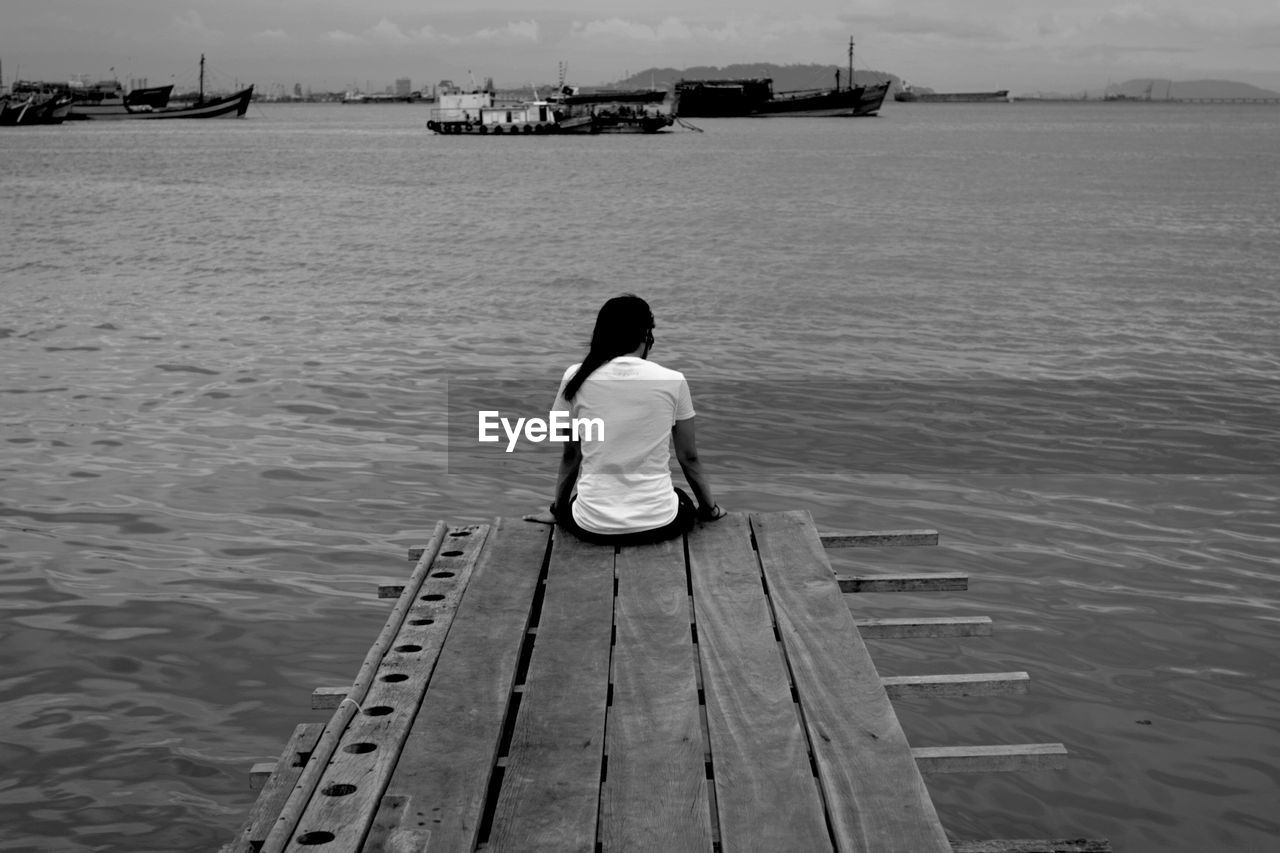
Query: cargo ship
[910, 95]
[754, 96]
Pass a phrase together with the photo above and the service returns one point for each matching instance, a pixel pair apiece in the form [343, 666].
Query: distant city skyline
[1021, 45]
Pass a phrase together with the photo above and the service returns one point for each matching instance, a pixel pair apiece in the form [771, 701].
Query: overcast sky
[948, 45]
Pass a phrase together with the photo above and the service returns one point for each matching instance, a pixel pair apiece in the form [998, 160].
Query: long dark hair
[623, 324]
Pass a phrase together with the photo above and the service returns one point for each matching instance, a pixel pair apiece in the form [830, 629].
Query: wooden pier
[530, 692]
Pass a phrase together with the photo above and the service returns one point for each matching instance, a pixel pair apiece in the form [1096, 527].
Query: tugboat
[479, 112]
[567, 111]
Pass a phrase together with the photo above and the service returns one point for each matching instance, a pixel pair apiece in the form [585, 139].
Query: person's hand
[712, 513]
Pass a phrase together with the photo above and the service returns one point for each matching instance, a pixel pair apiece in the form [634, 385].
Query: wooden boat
[637, 111]
[872, 97]
[716, 98]
[230, 106]
[34, 110]
[108, 97]
[826, 102]
[755, 97]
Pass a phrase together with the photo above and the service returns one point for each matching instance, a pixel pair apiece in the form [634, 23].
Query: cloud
[514, 31]
[275, 36]
[189, 24]
[388, 32]
[673, 30]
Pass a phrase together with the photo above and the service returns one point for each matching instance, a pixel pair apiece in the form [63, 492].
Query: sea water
[239, 362]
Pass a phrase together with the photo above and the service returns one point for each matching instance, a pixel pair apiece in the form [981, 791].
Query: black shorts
[686, 515]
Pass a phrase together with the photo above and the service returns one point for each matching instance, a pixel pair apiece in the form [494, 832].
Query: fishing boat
[872, 97]
[31, 109]
[638, 111]
[718, 98]
[108, 97]
[754, 96]
[229, 106]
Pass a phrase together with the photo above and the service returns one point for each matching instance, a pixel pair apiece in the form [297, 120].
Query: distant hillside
[786, 78]
[1163, 90]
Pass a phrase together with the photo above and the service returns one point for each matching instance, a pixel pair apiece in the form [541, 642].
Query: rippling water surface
[233, 355]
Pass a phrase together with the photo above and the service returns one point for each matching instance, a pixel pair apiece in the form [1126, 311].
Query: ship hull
[952, 97]
[719, 98]
[232, 106]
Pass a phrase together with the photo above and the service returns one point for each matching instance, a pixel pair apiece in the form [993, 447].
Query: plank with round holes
[341, 811]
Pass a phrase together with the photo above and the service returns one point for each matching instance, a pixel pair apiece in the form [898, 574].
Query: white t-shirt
[624, 485]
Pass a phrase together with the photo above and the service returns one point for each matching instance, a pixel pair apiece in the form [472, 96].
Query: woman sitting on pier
[624, 494]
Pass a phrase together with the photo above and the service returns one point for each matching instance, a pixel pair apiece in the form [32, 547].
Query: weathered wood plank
[876, 799]
[959, 684]
[923, 627]
[260, 773]
[991, 759]
[1033, 845]
[551, 789]
[342, 810]
[389, 833]
[655, 792]
[291, 811]
[328, 698]
[275, 789]
[914, 582]
[766, 796]
[448, 759]
[879, 538]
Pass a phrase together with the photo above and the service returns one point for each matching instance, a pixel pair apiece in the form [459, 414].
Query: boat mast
[850, 62]
[201, 98]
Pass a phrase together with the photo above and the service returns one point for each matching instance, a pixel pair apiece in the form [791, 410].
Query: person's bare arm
[684, 434]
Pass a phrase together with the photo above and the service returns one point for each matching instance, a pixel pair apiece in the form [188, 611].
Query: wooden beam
[991, 759]
[923, 582]
[765, 795]
[280, 777]
[1033, 845]
[328, 698]
[870, 784]
[856, 539]
[973, 684]
[879, 538]
[550, 793]
[654, 726]
[260, 773]
[446, 767]
[930, 627]
[417, 629]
